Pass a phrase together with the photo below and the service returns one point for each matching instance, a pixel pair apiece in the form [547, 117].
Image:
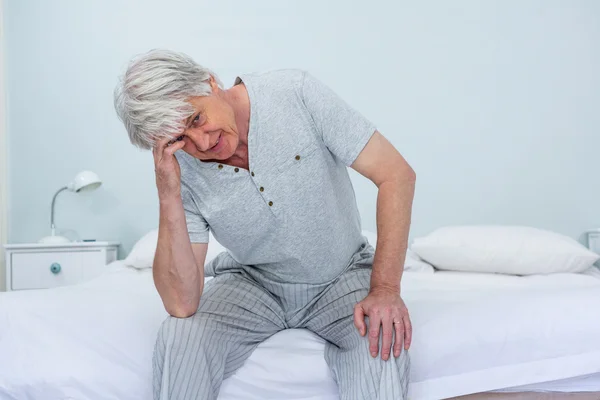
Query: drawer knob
[55, 268]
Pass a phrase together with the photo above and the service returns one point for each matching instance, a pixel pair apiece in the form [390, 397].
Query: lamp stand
[53, 238]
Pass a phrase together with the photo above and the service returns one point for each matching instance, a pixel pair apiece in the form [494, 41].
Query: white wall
[495, 104]
[3, 163]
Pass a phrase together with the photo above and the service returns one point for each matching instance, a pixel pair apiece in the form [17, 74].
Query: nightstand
[41, 266]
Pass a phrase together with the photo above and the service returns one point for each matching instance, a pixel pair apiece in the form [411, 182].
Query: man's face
[211, 132]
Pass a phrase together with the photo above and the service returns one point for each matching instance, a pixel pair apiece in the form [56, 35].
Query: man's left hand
[385, 308]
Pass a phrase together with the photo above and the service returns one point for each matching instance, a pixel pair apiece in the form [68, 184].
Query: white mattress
[472, 333]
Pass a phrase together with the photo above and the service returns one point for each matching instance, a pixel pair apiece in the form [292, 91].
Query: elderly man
[264, 168]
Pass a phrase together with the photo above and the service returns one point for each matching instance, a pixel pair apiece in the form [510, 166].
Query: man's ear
[214, 86]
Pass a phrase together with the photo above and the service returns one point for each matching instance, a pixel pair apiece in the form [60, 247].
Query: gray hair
[151, 96]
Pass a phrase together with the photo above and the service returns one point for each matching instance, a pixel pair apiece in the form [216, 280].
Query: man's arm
[178, 267]
[386, 168]
[380, 162]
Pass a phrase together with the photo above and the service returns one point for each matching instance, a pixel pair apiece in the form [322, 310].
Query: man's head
[166, 94]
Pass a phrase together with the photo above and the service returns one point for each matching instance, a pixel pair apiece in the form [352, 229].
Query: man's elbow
[181, 311]
[406, 174]
[410, 174]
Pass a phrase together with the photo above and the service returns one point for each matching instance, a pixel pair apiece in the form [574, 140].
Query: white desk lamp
[85, 181]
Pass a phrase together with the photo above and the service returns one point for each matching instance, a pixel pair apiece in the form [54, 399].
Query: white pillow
[412, 263]
[516, 250]
[142, 253]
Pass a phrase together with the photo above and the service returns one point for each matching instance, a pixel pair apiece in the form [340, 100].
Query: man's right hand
[166, 167]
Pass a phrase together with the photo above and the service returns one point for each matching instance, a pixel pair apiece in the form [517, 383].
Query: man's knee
[174, 329]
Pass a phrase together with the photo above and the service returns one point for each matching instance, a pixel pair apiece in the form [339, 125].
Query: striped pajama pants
[240, 309]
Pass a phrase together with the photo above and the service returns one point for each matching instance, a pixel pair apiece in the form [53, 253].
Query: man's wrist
[169, 201]
[385, 287]
[171, 209]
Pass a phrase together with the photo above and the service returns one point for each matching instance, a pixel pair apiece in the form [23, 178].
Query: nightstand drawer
[43, 265]
[47, 269]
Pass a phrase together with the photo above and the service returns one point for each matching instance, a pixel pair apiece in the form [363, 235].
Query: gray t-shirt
[293, 215]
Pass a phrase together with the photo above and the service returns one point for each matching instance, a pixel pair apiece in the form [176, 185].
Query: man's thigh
[235, 301]
[194, 354]
[358, 374]
[234, 312]
[332, 315]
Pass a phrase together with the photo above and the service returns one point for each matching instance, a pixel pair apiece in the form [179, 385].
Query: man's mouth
[218, 140]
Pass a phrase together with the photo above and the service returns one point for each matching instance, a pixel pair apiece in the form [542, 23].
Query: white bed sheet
[472, 333]
[480, 332]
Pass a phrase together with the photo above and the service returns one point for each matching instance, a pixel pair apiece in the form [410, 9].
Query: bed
[473, 333]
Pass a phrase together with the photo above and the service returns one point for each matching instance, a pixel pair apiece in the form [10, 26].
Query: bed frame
[531, 396]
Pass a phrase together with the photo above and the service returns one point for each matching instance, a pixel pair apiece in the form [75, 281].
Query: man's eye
[197, 118]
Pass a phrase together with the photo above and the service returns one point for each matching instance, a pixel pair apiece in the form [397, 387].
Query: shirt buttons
[270, 203]
[297, 157]
[252, 173]
[237, 170]
[262, 189]
[220, 166]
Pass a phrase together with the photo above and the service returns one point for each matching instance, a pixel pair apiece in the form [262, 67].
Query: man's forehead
[197, 101]
[197, 105]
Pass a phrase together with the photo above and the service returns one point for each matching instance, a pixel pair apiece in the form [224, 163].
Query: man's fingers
[399, 331]
[386, 341]
[359, 319]
[407, 331]
[174, 147]
[159, 147]
[374, 324]
[160, 144]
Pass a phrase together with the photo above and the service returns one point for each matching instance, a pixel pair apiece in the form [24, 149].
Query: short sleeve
[344, 130]
[197, 226]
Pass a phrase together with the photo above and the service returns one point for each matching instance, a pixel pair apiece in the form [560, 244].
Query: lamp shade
[85, 181]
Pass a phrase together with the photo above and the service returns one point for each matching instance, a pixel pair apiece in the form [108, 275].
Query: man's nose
[201, 140]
